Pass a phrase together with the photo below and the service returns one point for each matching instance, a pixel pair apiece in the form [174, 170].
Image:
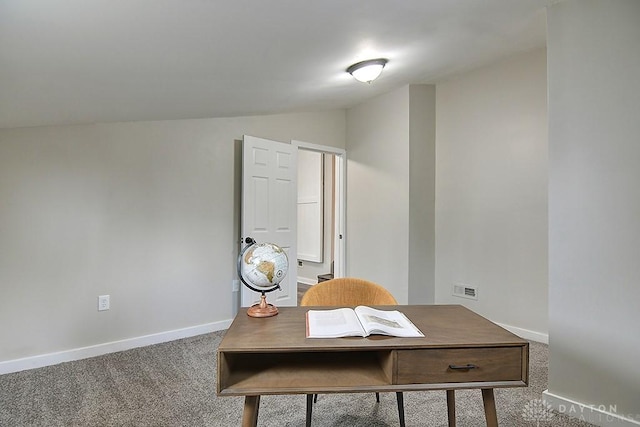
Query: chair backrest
[347, 291]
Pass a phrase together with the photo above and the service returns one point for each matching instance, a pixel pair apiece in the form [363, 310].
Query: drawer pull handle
[463, 367]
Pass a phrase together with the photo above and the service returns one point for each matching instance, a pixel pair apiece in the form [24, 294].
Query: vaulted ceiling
[84, 61]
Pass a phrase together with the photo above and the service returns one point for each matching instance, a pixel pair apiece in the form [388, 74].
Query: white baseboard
[42, 360]
[307, 281]
[600, 415]
[527, 334]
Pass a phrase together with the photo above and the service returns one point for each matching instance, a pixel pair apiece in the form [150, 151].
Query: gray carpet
[173, 384]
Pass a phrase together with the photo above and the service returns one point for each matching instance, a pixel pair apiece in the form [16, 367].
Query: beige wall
[387, 191]
[491, 190]
[422, 193]
[146, 212]
[594, 209]
[378, 182]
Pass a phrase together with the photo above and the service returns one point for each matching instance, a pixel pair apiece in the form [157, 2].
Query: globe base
[263, 309]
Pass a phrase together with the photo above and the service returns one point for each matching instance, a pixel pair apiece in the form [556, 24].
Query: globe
[261, 267]
[264, 265]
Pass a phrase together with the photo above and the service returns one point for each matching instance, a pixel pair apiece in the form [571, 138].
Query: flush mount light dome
[367, 71]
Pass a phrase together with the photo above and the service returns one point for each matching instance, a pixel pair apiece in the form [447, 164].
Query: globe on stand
[261, 267]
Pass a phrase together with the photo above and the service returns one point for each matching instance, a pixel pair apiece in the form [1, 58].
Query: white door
[269, 208]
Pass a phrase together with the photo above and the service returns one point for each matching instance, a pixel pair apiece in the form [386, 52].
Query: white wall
[491, 191]
[380, 204]
[378, 182]
[146, 212]
[594, 206]
[422, 193]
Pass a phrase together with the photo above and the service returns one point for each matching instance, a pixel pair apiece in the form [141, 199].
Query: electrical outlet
[103, 302]
[235, 285]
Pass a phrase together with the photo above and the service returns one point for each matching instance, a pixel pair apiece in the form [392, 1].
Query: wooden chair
[344, 292]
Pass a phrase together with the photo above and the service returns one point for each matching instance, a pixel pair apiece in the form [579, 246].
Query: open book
[359, 322]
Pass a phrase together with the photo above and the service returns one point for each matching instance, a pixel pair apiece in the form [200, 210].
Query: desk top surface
[444, 326]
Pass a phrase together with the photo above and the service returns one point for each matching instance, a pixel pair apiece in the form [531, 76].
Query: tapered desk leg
[309, 409]
[400, 399]
[489, 407]
[451, 407]
[250, 415]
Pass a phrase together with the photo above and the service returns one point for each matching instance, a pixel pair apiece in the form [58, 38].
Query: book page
[386, 322]
[340, 322]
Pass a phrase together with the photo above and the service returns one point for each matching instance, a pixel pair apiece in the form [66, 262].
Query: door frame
[339, 208]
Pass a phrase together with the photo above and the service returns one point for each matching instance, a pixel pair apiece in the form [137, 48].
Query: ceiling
[85, 61]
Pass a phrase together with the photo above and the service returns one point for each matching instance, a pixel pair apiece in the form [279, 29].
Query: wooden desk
[461, 350]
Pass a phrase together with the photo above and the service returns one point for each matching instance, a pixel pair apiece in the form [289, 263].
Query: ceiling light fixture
[367, 71]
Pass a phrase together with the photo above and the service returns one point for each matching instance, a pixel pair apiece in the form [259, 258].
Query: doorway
[320, 226]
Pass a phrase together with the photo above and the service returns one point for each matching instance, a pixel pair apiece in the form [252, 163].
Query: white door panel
[269, 208]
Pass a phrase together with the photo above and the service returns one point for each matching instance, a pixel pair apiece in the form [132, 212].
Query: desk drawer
[461, 365]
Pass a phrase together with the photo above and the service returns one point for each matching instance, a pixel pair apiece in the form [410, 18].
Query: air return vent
[465, 291]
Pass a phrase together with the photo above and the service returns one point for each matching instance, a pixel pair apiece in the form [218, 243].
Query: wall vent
[465, 291]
